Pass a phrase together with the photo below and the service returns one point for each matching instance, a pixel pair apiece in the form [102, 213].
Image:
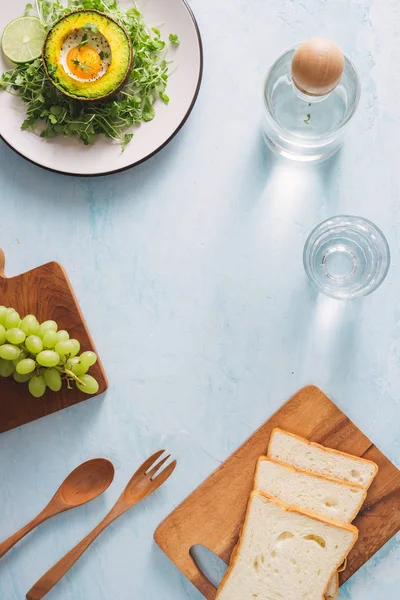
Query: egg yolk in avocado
[84, 62]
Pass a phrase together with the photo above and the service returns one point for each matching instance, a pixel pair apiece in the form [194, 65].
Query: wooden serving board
[47, 293]
[213, 514]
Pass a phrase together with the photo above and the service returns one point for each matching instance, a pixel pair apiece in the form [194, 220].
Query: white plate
[71, 157]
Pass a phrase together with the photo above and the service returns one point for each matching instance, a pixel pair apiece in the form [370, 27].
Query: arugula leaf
[174, 39]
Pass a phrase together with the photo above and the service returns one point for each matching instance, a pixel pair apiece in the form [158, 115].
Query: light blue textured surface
[189, 273]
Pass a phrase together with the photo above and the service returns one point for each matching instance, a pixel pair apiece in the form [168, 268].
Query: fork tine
[163, 476]
[157, 467]
[149, 462]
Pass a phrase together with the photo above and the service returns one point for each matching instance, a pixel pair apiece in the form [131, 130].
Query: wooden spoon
[139, 487]
[85, 483]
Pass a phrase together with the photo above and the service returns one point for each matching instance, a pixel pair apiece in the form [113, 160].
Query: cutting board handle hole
[210, 565]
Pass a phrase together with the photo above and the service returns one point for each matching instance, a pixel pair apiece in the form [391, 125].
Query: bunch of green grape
[42, 356]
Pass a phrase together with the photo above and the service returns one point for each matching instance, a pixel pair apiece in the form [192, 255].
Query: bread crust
[331, 450]
[336, 592]
[287, 508]
[333, 479]
[308, 513]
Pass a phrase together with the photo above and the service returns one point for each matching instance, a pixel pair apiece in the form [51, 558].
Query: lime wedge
[23, 39]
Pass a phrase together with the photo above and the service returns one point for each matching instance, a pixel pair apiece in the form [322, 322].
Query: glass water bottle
[311, 92]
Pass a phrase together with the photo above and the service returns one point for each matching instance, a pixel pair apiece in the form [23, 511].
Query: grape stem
[71, 374]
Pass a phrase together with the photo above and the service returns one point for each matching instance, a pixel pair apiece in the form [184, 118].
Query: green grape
[79, 369]
[2, 334]
[25, 366]
[88, 358]
[37, 386]
[15, 336]
[72, 362]
[48, 358]
[65, 348]
[76, 349]
[50, 339]
[9, 352]
[29, 325]
[3, 312]
[22, 355]
[46, 326]
[90, 385]
[21, 378]
[12, 319]
[62, 336]
[34, 344]
[53, 380]
[6, 368]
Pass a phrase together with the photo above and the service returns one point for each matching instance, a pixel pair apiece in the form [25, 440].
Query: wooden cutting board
[47, 293]
[213, 514]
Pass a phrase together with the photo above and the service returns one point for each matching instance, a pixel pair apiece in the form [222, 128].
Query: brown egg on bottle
[317, 66]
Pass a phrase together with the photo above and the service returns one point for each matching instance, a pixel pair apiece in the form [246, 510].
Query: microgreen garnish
[103, 55]
[307, 119]
[83, 41]
[85, 67]
[50, 113]
[29, 10]
[173, 38]
[82, 65]
[91, 27]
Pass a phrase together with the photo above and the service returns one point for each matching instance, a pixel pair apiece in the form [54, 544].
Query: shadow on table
[262, 167]
[46, 187]
[332, 333]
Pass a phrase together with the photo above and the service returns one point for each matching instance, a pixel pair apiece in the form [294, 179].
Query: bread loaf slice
[308, 456]
[284, 553]
[333, 587]
[302, 454]
[326, 497]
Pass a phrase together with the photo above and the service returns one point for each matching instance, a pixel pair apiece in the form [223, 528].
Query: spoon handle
[53, 575]
[16, 537]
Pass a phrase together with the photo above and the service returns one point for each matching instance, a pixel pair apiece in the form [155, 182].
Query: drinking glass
[346, 257]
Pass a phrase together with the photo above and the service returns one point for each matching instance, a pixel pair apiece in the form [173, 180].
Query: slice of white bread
[284, 553]
[326, 497]
[308, 456]
[299, 452]
[333, 587]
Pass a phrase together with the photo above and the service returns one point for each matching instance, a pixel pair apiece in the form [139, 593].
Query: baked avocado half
[87, 55]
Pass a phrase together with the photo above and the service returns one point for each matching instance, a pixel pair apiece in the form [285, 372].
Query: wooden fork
[142, 484]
